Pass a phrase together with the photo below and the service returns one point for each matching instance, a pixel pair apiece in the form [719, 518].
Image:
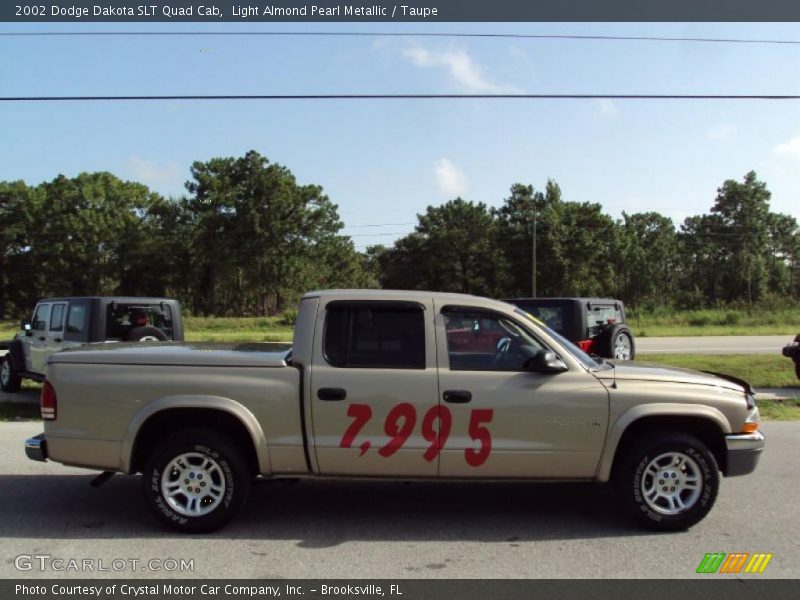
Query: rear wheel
[668, 481]
[623, 345]
[196, 481]
[616, 341]
[10, 381]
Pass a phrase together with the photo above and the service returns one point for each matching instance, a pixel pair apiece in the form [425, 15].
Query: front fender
[15, 353]
[660, 409]
[192, 401]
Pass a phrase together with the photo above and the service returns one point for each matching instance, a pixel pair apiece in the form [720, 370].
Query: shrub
[289, 317]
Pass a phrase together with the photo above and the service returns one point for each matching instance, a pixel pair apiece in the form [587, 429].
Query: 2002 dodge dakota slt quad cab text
[380, 384]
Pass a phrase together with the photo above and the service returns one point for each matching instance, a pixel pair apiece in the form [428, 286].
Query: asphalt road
[396, 530]
[715, 344]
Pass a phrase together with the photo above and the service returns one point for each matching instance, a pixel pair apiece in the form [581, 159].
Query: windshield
[586, 360]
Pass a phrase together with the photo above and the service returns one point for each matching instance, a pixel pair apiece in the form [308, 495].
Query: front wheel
[10, 381]
[668, 482]
[196, 481]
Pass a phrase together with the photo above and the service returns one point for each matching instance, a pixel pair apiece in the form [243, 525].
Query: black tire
[632, 479]
[231, 473]
[10, 380]
[145, 333]
[610, 339]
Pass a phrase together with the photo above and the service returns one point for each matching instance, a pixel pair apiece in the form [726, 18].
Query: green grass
[760, 370]
[780, 410]
[227, 329]
[664, 322]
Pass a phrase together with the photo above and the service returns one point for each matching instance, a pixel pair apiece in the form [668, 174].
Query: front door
[36, 342]
[374, 389]
[506, 421]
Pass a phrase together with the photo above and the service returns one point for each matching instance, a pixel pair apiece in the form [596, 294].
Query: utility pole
[533, 255]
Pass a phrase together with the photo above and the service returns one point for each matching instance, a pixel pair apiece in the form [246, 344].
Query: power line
[403, 97]
[440, 34]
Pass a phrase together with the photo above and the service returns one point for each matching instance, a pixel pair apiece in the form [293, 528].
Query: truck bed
[195, 354]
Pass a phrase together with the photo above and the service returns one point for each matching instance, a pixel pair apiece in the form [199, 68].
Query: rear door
[374, 389]
[55, 330]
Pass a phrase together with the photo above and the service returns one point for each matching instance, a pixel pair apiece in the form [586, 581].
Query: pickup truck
[380, 384]
[60, 323]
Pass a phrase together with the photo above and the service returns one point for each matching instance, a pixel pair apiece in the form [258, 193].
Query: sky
[383, 162]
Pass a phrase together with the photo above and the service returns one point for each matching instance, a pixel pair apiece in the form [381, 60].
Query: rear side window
[375, 336]
[76, 319]
[57, 317]
[555, 316]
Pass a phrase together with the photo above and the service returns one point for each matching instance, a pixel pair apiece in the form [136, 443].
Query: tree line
[247, 239]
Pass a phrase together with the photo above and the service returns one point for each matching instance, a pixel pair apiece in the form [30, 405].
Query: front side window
[40, 318]
[481, 341]
[375, 335]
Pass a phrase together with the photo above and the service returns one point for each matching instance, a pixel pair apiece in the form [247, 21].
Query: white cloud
[790, 149]
[460, 66]
[450, 179]
[155, 175]
[723, 133]
[607, 107]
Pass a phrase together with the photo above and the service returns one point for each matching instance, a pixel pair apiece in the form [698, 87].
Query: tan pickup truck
[396, 385]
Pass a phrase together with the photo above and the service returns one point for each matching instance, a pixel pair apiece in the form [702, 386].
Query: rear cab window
[121, 318]
[600, 315]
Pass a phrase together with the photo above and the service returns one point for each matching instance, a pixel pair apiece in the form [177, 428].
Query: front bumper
[744, 450]
[36, 448]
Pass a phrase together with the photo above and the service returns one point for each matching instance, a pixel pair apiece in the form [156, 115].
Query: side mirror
[545, 361]
[26, 326]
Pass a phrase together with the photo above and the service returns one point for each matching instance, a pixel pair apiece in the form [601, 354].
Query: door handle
[58, 340]
[41, 339]
[457, 396]
[331, 394]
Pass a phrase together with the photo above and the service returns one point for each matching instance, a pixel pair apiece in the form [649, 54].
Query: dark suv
[793, 351]
[595, 325]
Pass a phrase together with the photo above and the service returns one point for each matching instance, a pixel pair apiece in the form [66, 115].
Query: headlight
[752, 421]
